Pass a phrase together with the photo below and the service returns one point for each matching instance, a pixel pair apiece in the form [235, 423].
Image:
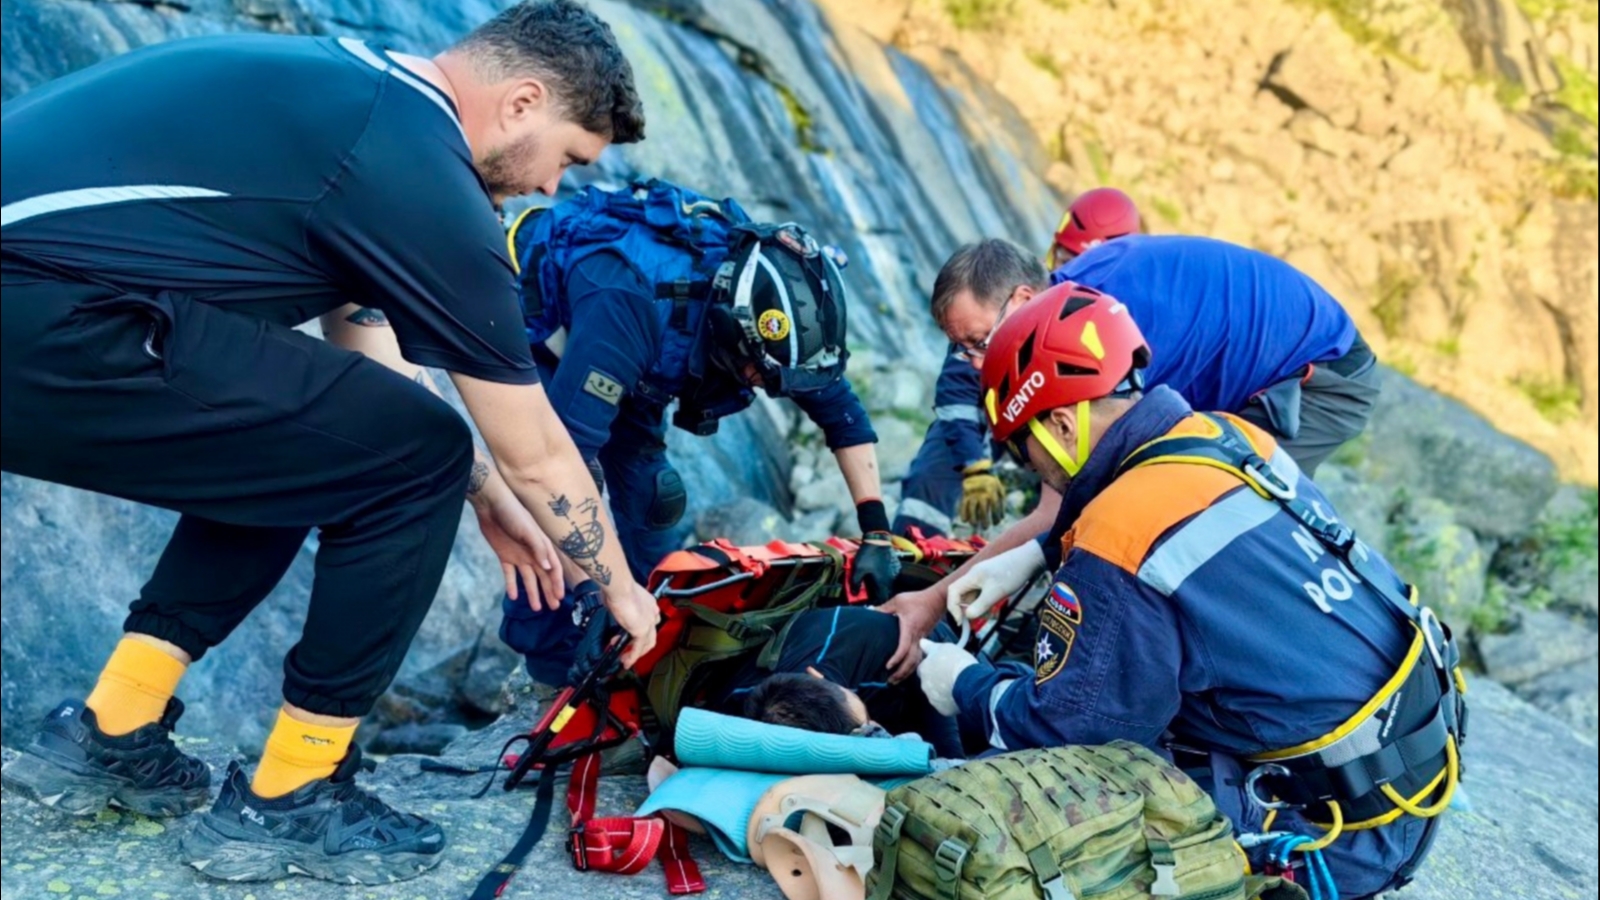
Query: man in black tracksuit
[168, 217]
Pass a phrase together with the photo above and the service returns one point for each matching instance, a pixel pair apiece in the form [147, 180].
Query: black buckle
[575, 848]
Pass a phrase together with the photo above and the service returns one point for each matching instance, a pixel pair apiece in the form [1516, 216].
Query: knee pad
[669, 501]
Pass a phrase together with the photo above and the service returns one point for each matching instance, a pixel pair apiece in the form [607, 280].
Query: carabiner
[1266, 479]
[1254, 778]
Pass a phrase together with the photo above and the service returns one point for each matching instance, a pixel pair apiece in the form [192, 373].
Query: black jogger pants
[255, 433]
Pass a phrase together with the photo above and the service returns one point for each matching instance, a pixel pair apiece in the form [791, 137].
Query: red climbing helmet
[1097, 216]
[1067, 345]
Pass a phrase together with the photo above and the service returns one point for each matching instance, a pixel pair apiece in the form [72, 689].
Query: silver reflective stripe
[958, 412]
[1204, 537]
[742, 294]
[995, 693]
[362, 52]
[923, 511]
[788, 311]
[82, 198]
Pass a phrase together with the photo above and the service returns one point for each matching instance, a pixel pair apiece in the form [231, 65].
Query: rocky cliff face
[1432, 162]
[808, 114]
[1387, 150]
[771, 103]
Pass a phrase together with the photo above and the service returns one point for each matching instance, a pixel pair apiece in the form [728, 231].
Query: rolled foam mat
[727, 742]
[723, 800]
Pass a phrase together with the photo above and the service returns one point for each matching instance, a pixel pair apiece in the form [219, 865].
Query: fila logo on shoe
[254, 816]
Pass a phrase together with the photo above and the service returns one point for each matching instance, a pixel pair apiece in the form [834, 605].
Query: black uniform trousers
[255, 433]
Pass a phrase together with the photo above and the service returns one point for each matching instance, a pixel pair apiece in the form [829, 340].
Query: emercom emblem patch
[603, 386]
[1060, 616]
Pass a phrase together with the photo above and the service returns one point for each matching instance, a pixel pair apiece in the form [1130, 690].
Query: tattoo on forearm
[369, 317]
[587, 537]
[479, 476]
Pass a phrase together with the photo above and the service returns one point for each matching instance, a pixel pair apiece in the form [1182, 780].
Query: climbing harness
[1400, 753]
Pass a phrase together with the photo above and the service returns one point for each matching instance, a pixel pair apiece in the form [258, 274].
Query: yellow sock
[134, 687]
[299, 753]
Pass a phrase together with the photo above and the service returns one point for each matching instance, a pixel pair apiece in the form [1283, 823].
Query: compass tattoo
[586, 539]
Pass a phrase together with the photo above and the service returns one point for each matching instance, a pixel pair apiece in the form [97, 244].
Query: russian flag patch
[1065, 600]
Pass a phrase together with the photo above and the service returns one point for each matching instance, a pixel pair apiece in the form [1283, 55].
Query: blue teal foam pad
[714, 740]
[722, 799]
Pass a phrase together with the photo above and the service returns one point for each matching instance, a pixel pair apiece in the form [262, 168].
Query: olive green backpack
[1063, 823]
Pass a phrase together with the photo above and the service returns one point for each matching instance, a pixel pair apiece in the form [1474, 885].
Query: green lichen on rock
[1444, 560]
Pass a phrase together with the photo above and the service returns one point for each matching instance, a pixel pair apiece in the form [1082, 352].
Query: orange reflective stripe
[1127, 519]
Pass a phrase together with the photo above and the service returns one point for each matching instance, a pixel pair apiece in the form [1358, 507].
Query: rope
[1334, 830]
[1452, 781]
[1319, 880]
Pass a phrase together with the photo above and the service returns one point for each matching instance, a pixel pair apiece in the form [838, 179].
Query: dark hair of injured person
[801, 701]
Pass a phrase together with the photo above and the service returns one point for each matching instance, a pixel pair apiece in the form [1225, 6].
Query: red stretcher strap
[624, 845]
[683, 876]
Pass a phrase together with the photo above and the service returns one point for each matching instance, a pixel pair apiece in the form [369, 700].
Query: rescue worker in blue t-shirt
[1207, 603]
[639, 298]
[1232, 329]
[951, 476]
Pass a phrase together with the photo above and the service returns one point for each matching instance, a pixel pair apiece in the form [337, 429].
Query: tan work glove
[983, 497]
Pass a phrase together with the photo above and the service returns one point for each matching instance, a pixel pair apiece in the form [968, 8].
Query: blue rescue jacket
[1189, 609]
[674, 239]
[628, 275]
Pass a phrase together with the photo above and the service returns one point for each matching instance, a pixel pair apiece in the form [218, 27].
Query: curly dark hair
[800, 701]
[572, 50]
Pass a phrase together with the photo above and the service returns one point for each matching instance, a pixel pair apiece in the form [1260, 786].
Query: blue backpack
[675, 238]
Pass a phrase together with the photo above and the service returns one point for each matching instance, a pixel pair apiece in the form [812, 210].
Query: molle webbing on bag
[1108, 822]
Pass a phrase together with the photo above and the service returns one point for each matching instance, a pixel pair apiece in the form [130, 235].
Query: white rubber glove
[941, 665]
[994, 579]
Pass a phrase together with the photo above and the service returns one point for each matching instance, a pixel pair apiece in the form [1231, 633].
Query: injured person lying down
[830, 677]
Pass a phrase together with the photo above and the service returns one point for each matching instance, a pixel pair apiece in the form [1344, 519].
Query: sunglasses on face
[1017, 448]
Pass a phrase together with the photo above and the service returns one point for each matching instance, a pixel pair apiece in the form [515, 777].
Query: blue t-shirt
[1223, 321]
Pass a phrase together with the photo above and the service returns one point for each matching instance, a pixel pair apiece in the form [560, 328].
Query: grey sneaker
[72, 766]
[329, 829]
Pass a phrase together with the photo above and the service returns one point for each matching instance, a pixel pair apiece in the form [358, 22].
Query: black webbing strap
[532, 290]
[712, 553]
[494, 883]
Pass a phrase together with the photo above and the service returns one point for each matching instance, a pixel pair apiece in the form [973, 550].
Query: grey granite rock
[1529, 832]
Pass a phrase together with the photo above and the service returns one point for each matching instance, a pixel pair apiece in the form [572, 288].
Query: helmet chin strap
[1071, 465]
